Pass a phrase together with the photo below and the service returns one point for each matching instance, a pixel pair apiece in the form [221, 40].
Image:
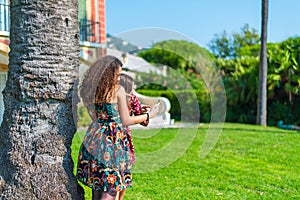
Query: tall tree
[38, 126]
[230, 46]
[263, 69]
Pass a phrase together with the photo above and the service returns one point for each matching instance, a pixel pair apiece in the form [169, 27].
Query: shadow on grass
[279, 131]
[250, 127]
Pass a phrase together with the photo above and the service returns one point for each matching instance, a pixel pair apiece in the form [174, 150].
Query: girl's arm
[124, 113]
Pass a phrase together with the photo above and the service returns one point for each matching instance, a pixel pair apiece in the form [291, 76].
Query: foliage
[284, 81]
[183, 105]
[174, 79]
[240, 76]
[284, 70]
[84, 117]
[190, 98]
[285, 111]
[221, 46]
[248, 162]
[232, 46]
[240, 80]
[177, 54]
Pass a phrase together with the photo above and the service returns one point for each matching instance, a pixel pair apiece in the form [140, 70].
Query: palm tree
[38, 124]
[262, 89]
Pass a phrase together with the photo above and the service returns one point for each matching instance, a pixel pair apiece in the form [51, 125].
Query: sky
[144, 22]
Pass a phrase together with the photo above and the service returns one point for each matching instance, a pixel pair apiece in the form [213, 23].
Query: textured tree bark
[261, 118]
[38, 125]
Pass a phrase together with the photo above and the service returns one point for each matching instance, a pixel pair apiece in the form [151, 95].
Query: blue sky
[144, 22]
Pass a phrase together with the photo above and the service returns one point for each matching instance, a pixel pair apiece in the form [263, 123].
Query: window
[3, 77]
[4, 15]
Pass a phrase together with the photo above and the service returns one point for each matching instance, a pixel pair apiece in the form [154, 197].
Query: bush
[83, 115]
[183, 103]
[287, 112]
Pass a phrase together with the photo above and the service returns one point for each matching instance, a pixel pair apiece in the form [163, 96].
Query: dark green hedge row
[244, 113]
[185, 104]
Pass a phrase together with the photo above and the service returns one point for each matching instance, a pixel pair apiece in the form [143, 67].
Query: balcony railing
[4, 15]
[87, 30]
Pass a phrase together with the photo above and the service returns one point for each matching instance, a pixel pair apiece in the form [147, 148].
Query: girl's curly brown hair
[100, 80]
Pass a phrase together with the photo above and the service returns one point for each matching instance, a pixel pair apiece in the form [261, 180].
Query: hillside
[121, 45]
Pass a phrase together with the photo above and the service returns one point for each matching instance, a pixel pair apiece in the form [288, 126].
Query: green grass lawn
[247, 162]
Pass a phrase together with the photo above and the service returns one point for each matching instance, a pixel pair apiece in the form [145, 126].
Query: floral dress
[135, 109]
[104, 160]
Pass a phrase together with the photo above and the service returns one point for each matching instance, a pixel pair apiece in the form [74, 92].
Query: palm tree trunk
[262, 89]
[38, 124]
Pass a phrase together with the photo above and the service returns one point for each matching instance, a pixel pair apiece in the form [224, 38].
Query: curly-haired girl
[104, 160]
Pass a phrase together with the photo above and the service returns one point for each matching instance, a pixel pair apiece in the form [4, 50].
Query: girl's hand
[145, 109]
[153, 111]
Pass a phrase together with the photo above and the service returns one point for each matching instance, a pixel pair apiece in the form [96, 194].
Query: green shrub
[287, 112]
[83, 116]
[184, 102]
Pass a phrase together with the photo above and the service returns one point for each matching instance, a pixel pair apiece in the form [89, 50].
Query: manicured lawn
[248, 162]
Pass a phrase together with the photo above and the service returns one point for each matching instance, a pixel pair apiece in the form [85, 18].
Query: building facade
[92, 26]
